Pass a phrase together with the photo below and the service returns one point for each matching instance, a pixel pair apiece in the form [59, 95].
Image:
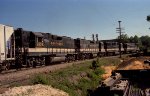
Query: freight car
[7, 47]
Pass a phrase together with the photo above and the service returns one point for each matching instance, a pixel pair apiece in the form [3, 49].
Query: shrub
[40, 79]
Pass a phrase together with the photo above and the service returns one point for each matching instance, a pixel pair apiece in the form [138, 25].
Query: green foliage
[98, 72]
[76, 79]
[124, 38]
[15, 85]
[109, 61]
[40, 79]
[148, 18]
[94, 65]
[145, 41]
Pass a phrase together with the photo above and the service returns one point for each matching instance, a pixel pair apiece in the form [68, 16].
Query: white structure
[7, 43]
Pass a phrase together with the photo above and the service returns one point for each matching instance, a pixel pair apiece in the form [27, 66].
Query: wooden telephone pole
[119, 30]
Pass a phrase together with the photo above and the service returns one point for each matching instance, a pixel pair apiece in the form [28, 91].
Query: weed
[40, 79]
[62, 79]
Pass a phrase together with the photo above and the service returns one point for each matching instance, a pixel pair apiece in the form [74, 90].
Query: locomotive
[20, 48]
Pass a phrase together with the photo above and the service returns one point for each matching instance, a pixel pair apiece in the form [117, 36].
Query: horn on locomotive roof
[93, 37]
[97, 37]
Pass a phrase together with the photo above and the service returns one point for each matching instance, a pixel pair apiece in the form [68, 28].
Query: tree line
[143, 42]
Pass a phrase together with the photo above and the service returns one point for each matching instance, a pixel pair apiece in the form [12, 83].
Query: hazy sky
[77, 18]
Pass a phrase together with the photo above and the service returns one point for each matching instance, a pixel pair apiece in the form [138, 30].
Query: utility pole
[119, 30]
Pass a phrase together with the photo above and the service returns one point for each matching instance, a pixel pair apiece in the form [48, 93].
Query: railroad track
[134, 92]
[39, 66]
[22, 69]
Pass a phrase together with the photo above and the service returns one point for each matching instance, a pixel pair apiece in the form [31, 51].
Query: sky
[78, 18]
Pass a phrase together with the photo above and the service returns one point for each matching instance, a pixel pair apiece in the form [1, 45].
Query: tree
[145, 41]
[124, 38]
[148, 18]
[136, 39]
[131, 39]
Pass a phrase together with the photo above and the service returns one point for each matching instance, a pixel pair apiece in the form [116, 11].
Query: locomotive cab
[36, 39]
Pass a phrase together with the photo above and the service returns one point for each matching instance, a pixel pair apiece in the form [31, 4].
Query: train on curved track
[20, 48]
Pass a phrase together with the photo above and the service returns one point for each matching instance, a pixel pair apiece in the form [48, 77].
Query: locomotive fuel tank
[57, 59]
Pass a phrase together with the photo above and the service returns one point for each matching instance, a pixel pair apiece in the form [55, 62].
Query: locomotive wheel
[29, 63]
[6, 66]
[34, 64]
[1, 68]
[67, 59]
[74, 57]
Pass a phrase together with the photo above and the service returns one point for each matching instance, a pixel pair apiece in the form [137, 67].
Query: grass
[40, 79]
[76, 79]
[109, 61]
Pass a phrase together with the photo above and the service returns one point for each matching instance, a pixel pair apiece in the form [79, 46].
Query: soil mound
[134, 65]
[108, 70]
[34, 90]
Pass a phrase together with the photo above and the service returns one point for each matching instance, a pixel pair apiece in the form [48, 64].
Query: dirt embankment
[133, 64]
[34, 90]
[130, 64]
[108, 70]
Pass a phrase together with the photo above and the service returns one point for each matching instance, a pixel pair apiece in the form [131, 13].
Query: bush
[99, 71]
[94, 65]
[40, 79]
[70, 80]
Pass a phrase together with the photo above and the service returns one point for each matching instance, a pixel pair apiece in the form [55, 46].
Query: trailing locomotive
[130, 47]
[20, 48]
[86, 49]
